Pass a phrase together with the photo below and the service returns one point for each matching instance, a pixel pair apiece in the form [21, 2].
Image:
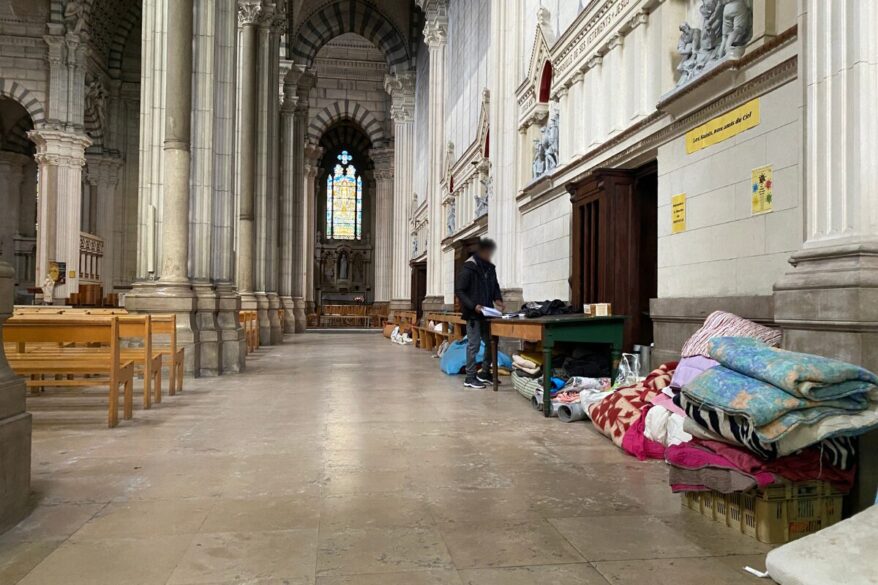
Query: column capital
[383, 159]
[60, 148]
[401, 87]
[103, 170]
[436, 33]
[250, 12]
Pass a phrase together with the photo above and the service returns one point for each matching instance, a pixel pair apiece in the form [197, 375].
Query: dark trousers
[477, 331]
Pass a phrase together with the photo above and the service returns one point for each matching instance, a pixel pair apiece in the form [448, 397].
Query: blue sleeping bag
[453, 361]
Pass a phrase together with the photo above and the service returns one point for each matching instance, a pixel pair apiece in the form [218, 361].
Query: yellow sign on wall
[724, 127]
[762, 195]
[678, 213]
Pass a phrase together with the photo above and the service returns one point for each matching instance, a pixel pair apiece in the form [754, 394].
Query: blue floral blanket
[803, 375]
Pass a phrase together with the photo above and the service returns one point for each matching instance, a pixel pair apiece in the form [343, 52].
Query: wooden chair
[102, 366]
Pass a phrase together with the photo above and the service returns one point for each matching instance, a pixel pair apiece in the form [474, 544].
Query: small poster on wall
[58, 272]
[678, 213]
[762, 186]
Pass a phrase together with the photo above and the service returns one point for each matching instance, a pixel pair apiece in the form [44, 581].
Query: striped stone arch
[19, 93]
[346, 110]
[130, 22]
[338, 17]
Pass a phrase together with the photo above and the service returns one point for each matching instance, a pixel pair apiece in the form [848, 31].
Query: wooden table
[558, 329]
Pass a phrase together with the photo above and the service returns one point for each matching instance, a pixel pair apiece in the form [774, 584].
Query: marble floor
[343, 459]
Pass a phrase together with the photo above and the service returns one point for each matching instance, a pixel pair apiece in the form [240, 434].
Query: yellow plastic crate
[775, 515]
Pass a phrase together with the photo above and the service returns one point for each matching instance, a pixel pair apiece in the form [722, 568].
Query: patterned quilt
[617, 412]
[803, 375]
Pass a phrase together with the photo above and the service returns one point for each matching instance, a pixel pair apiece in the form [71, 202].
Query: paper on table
[489, 312]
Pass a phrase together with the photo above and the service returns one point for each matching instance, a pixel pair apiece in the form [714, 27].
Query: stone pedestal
[262, 307]
[155, 298]
[434, 303]
[233, 344]
[210, 346]
[15, 425]
[277, 334]
[299, 313]
[401, 305]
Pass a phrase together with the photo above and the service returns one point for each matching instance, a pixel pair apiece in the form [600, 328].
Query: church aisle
[342, 459]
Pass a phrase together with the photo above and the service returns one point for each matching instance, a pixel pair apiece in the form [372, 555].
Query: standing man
[477, 288]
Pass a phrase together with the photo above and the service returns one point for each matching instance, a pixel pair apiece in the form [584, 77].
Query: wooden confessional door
[614, 245]
[419, 286]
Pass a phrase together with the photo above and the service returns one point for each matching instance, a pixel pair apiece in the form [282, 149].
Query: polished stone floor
[343, 459]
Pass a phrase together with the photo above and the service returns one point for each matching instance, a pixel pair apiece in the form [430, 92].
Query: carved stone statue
[48, 290]
[483, 201]
[727, 27]
[343, 267]
[550, 141]
[74, 18]
[539, 163]
[96, 104]
[451, 220]
[414, 246]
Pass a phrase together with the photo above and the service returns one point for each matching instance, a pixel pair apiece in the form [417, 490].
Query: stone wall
[725, 249]
[545, 250]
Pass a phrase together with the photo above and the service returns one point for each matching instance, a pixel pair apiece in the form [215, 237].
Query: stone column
[60, 156]
[384, 219]
[300, 217]
[103, 174]
[401, 88]
[233, 344]
[173, 292]
[436, 37]
[11, 175]
[278, 25]
[249, 16]
[506, 40]
[265, 194]
[15, 424]
[201, 211]
[828, 301]
[290, 153]
[312, 159]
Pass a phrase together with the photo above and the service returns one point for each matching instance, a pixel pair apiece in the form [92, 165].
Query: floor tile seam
[524, 566]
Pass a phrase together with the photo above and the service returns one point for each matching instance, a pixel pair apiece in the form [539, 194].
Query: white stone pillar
[312, 159]
[233, 343]
[401, 88]
[828, 302]
[60, 156]
[506, 40]
[249, 16]
[103, 174]
[290, 151]
[578, 109]
[300, 217]
[15, 423]
[384, 218]
[436, 37]
[11, 176]
[265, 194]
[201, 212]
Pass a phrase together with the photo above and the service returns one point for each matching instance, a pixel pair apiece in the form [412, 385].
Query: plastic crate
[775, 515]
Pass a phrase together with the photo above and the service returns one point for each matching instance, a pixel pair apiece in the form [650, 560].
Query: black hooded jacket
[477, 285]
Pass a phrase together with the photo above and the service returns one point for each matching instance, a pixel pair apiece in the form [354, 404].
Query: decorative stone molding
[59, 148]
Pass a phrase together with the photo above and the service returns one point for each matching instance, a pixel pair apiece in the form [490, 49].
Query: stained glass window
[344, 201]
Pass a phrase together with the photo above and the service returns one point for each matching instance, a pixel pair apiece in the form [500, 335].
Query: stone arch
[129, 23]
[346, 110]
[19, 93]
[351, 16]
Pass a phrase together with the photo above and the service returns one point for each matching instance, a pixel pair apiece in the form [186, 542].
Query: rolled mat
[571, 412]
[538, 406]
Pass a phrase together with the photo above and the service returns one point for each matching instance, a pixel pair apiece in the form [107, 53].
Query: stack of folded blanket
[776, 402]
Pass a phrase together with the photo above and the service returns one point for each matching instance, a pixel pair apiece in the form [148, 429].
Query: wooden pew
[166, 325]
[344, 315]
[74, 368]
[250, 324]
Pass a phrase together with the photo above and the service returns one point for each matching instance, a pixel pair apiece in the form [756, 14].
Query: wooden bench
[164, 325]
[380, 315]
[345, 316]
[102, 366]
[250, 323]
